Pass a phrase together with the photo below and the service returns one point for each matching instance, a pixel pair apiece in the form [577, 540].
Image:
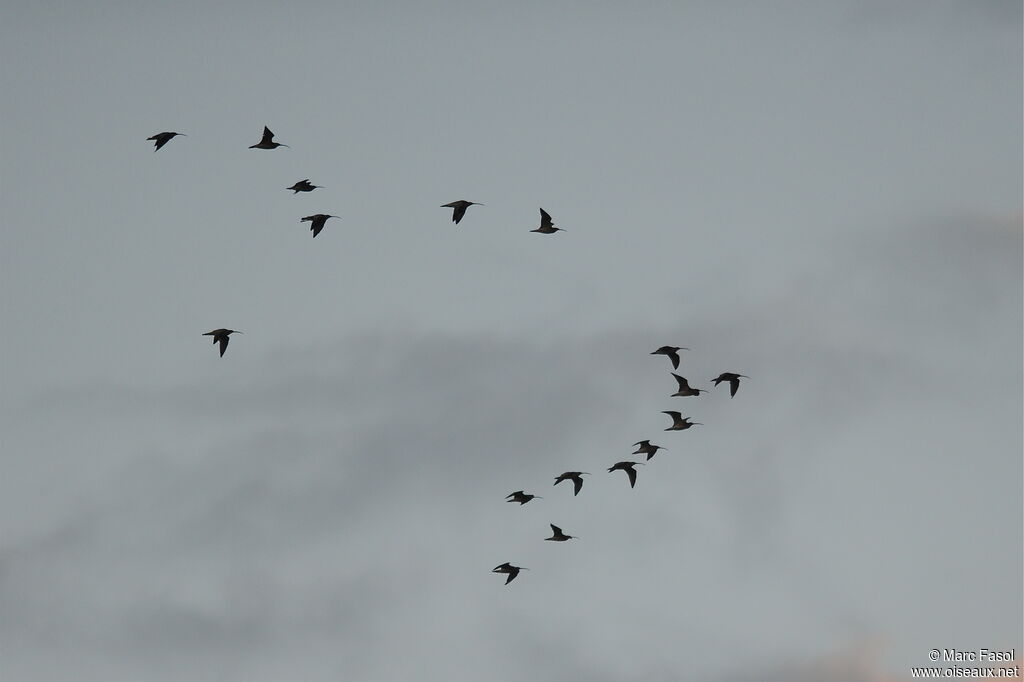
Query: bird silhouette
[628, 468]
[160, 139]
[672, 352]
[684, 388]
[512, 571]
[644, 447]
[558, 536]
[521, 497]
[221, 336]
[303, 186]
[459, 208]
[546, 226]
[577, 480]
[317, 222]
[733, 379]
[268, 141]
[679, 422]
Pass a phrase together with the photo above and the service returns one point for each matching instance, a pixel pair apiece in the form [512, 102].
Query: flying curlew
[317, 222]
[684, 388]
[512, 571]
[160, 139]
[268, 141]
[644, 447]
[221, 336]
[521, 497]
[577, 480]
[303, 186]
[546, 226]
[628, 468]
[558, 536]
[679, 422]
[459, 208]
[672, 352]
[733, 379]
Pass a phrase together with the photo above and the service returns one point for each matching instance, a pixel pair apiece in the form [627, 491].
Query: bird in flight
[221, 336]
[628, 467]
[512, 571]
[644, 447]
[684, 388]
[672, 352]
[577, 480]
[521, 497]
[459, 208]
[303, 186]
[679, 422]
[317, 222]
[546, 226]
[558, 536]
[160, 139]
[733, 379]
[268, 141]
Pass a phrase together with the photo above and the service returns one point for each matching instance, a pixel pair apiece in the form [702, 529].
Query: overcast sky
[825, 196]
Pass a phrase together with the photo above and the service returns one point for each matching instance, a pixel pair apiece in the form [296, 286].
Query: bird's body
[221, 336]
[511, 570]
[546, 226]
[317, 222]
[629, 468]
[303, 186]
[679, 422]
[459, 208]
[684, 388]
[732, 378]
[160, 139]
[577, 480]
[644, 447]
[558, 536]
[521, 497]
[268, 141]
[672, 352]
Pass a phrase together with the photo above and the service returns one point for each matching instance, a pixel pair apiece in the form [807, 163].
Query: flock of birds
[317, 222]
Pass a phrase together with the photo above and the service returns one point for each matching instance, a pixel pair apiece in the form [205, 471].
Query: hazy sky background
[823, 196]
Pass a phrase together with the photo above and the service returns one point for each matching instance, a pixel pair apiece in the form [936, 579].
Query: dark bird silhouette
[577, 480]
[521, 497]
[628, 468]
[679, 422]
[558, 536]
[644, 447]
[546, 226]
[672, 352]
[733, 379]
[317, 222]
[160, 139]
[303, 186]
[684, 388]
[268, 141]
[459, 208]
[512, 571]
[221, 336]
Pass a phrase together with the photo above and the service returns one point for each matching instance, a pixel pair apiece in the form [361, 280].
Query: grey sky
[823, 196]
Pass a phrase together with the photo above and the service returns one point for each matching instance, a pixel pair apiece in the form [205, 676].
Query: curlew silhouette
[521, 497]
[268, 141]
[546, 226]
[672, 352]
[160, 139]
[644, 447]
[303, 186]
[558, 536]
[733, 379]
[221, 336]
[628, 468]
[459, 208]
[317, 222]
[684, 388]
[512, 571]
[679, 422]
[577, 480]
